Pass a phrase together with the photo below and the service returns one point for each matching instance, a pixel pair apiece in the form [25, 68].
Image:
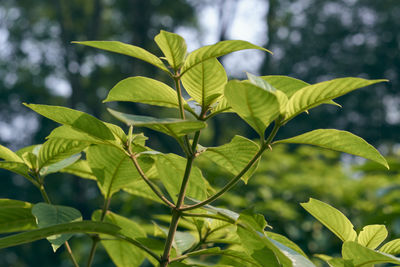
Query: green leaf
[56, 149]
[285, 241]
[205, 82]
[74, 118]
[113, 168]
[171, 168]
[55, 167]
[48, 215]
[16, 216]
[255, 105]
[392, 247]
[127, 49]
[67, 132]
[221, 106]
[340, 141]
[319, 93]
[81, 169]
[371, 236]
[122, 253]
[16, 167]
[8, 155]
[173, 127]
[216, 50]
[237, 255]
[251, 220]
[280, 96]
[234, 156]
[362, 256]
[286, 84]
[144, 90]
[173, 47]
[141, 189]
[332, 218]
[66, 228]
[31, 160]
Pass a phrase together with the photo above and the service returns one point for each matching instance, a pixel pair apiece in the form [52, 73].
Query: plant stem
[179, 93]
[150, 183]
[236, 179]
[47, 200]
[96, 238]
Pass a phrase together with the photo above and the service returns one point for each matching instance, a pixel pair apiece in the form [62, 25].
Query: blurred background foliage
[311, 40]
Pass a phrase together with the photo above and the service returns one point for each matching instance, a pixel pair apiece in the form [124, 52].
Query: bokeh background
[312, 40]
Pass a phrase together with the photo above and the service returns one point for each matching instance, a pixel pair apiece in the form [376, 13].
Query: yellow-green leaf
[340, 141]
[173, 47]
[371, 236]
[126, 49]
[332, 218]
[363, 256]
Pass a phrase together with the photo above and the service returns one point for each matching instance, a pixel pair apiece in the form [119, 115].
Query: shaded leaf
[171, 169]
[173, 47]
[173, 127]
[48, 215]
[80, 168]
[122, 253]
[16, 216]
[113, 168]
[286, 84]
[253, 104]
[340, 141]
[127, 49]
[371, 236]
[66, 228]
[16, 167]
[216, 50]
[332, 218]
[55, 167]
[205, 82]
[234, 156]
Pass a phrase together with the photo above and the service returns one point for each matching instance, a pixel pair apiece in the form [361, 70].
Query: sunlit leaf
[16, 167]
[234, 156]
[80, 168]
[48, 215]
[362, 256]
[55, 150]
[16, 216]
[127, 49]
[173, 47]
[319, 93]
[216, 50]
[173, 127]
[205, 82]
[371, 236]
[392, 247]
[255, 105]
[144, 90]
[332, 218]
[8, 155]
[340, 141]
[74, 118]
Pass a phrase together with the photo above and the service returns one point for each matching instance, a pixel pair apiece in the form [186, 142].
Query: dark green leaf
[48, 215]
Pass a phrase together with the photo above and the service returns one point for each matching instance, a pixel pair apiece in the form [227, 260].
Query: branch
[150, 183]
